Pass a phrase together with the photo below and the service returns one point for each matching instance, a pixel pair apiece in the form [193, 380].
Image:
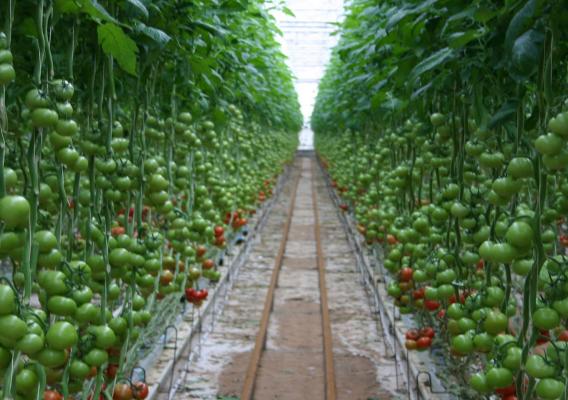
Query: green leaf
[506, 112]
[67, 6]
[405, 12]
[96, 11]
[527, 52]
[520, 23]
[157, 35]
[460, 39]
[434, 60]
[485, 15]
[214, 30]
[417, 93]
[139, 6]
[116, 43]
[288, 12]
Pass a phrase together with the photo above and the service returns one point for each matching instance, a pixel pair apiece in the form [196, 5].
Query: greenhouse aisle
[292, 364]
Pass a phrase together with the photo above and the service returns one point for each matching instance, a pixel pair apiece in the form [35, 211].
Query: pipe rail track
[260, 343]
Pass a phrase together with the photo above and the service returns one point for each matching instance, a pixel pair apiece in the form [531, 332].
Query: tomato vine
[136, 139]
[443, 125]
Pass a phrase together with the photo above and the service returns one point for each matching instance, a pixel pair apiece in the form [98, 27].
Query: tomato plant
[445, 138]
[129, 132]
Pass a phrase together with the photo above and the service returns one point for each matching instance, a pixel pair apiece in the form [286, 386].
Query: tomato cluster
[196, 297]
[419, 339]
[7, 71]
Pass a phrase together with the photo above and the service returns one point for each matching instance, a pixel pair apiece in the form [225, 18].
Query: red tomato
[424, 342]
[427, 332]
[140, 390]
[391, 239]
[111, 371]
[563, 337]
[208, 264]
[200, 251]
[431, 305]
[405, 274]
[117, 231]
[122, 391]
[412, 335]
[507, 391]
[166, 277]
[544, 337]
[419, 293]
[219, 231]
[92, 372]
[52, 395]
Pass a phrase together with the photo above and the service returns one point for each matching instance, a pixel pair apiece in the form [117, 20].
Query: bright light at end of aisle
[307, 41]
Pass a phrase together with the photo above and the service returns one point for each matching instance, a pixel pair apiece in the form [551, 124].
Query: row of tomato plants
[136, 139]
[444, 128]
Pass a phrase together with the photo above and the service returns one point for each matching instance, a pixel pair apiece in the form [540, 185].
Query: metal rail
[260, 343]
[330, 388]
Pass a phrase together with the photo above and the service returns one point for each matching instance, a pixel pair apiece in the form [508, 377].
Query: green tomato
[479, 383]
[86, 313]
[549, 389]
[14, 211]
[7, 74]
[561, 307]
[45, 240]
[26, 381]
[44, 118]
[63, 89]
[520, 167]
[549, 144]
[520, 234]
[51, 259]
[82, 295]
[105, 337]
[545, 318]
[495, 322]
[119, 325]
[79, 369]
[522, 266]
[462, 344]
[499, 377]
[96, 357]
[483, 342]
[36, 98]
[51, 358]
[30, 344]
[63, 306]
[537, 367]
[61, 335]
[513, 358]
[7, 300]
[12, 327]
